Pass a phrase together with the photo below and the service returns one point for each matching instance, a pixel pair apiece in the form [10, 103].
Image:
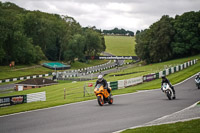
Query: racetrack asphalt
[127, 111]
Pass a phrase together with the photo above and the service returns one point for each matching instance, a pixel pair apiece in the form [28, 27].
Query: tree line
[170, 38]
[117, 31]
[31, 36]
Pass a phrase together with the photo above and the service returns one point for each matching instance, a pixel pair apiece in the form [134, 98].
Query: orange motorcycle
[102, 95]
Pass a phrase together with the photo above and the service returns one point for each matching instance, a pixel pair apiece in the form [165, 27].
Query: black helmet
[163, 77]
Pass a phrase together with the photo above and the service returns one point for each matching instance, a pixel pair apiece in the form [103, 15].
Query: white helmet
[100, 78]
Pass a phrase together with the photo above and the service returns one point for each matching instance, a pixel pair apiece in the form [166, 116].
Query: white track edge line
[163, 117]
[171, 122]
[89, 100]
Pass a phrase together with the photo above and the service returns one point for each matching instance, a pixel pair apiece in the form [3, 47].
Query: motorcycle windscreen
[165, 86]
[98, 86]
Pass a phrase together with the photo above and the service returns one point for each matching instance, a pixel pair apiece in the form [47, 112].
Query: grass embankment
[55, 93]
[120, 45]
[143, 70]
[117, 45]
[179, 127]
[27, 70]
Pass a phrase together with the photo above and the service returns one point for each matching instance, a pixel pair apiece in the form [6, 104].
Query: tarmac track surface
[88, 117]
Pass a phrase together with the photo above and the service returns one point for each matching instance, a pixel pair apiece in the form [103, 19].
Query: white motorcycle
[197, 80]
[167, 90]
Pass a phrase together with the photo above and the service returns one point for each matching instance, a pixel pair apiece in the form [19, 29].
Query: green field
[55, 93]
[179, 127]
[120, 45]
[117, 45]
[139, 70]
[27, 70]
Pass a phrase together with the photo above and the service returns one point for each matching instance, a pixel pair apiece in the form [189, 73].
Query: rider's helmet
[198, 75]
[100, 78]
[163, 77]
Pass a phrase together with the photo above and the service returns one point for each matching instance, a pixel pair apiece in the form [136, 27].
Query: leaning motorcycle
[102, 95]
[197, 81]
[167, 90]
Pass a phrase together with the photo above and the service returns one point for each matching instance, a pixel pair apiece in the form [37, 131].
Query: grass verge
[179, 127]
[55, 93]
[6, 72]
[139, 70]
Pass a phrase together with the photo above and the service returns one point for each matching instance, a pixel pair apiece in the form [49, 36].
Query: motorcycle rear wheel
[169, 95]
[100, 101]
[110, 101]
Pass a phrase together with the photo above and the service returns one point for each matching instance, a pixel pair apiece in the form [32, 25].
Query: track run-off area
[128, 110]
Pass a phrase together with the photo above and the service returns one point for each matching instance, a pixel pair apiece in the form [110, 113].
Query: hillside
[120, 45]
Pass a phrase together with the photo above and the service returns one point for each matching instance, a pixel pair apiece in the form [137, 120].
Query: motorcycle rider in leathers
[165, 80]
[101, 80]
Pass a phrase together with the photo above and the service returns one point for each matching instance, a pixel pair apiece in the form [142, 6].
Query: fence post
[84, 91]
[64, 93]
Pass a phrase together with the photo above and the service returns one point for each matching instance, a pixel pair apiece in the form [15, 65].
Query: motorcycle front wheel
[100, 101]
[169, 95]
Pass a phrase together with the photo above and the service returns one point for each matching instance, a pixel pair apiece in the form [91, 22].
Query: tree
[75, 48]
[142, 44]
[187, 38]
[15, 45]
[161, 33]
[137, 32]
[154, 44]
[95, 43]
[30, 36]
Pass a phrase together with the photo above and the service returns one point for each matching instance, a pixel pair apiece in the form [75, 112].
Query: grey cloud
[129, 14]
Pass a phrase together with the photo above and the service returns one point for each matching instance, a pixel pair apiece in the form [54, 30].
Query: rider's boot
[174, 96]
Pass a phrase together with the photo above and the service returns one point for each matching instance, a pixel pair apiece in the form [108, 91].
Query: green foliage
[55, 37]
[170, 38]
[138, 70]
[74, 91]
[141, 47]
[95, 43]
[187, 37]
[15, 45]
[117, 31]
[75, 48]
[28, 70]
[161, 38]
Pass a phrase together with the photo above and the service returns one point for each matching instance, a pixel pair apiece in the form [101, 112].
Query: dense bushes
[30, 36]
[170, 38]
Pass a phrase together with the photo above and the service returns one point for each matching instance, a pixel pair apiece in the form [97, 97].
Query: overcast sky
[107, 14]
